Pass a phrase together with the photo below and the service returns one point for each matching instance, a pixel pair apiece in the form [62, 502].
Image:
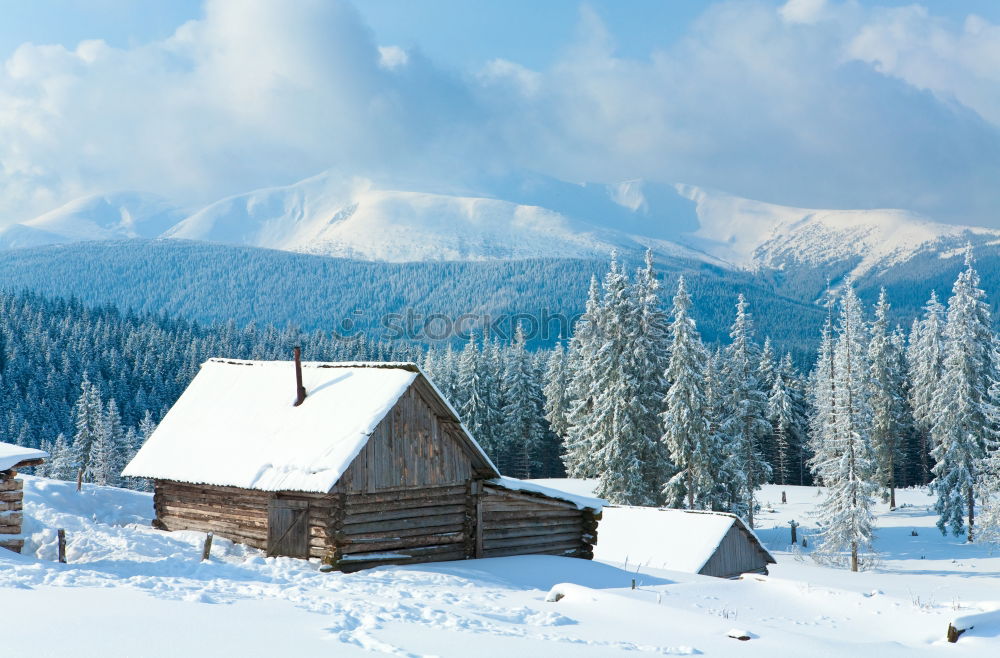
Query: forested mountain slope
[216, 283]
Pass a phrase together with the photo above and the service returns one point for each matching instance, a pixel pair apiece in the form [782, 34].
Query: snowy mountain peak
[96, 217]
[357, 218]
[759, 235]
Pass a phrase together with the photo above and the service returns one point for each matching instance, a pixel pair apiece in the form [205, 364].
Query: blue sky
[815, 103]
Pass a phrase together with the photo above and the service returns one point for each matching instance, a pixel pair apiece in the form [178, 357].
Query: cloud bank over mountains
[810, 103]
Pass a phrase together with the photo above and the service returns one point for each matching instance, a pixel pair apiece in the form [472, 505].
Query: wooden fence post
[61, 540]
[794, 525]
[784, 497]
[206, 552]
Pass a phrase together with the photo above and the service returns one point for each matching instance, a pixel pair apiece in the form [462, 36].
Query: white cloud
[810, 104]
[392, 57]
[803, 11]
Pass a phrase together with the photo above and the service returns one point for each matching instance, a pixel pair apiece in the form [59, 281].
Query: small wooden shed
[359, 464]
[13, 457]
[707, 543]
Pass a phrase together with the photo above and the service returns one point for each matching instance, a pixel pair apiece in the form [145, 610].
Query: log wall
[522, 523]
[416, 445]
[238, 514]
[11, 511]
[404, 526]
[737, 553]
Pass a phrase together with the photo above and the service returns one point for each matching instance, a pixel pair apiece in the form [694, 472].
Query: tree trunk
[690, 488]
[854, 556]
[971, 499]
[892, 482]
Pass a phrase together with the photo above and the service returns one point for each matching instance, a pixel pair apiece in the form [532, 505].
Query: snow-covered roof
[581, 502]
[236, 425]
[674, 539]
[11, 455]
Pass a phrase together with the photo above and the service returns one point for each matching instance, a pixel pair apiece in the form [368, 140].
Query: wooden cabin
[358, 464]
[12, 458]
[707, 543]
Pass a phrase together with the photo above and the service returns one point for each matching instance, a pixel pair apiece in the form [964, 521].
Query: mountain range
[517, 218]
[315, 252]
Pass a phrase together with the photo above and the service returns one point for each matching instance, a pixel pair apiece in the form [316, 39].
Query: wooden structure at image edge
[419, 491]
[12, 505]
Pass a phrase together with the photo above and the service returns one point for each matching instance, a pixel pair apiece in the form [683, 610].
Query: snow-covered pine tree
[727, 478]
[798, 427]
[522, 416]
[618, 442]
[61, 461]
[822, 389]
[472, 405]
[779, 412]
[42, 470]
[846, 463]
[745, 421]
[963, 414]
[925, 366]
[88, 416]
[887, 399]
[989, 478]
[909, 441]
[556, 391]
[146, 427]
[766, 373]
[107, 450]
[492, 392]
[647, 362]
[578, 455]
[687, 434]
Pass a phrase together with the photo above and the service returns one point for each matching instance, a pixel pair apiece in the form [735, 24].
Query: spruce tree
[619, 442]
[687, 434]
[522, 413]
[556, 391]
[61, 462]
[780, 411]
[846, 461]
[887, 398]
[88, 414]
[963, 417]
[745, 422]
[798, 427]
[578, 456]
[925, 367]
[647, 361]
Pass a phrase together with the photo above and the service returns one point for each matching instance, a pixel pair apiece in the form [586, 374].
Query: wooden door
[288, 527]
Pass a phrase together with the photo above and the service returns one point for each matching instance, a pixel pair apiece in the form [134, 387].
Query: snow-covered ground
[129, 590]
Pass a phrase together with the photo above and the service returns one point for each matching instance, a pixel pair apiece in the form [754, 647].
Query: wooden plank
[566, 550]
[532, 531]
[403, 544]
[347, 536]
[352, 518]
[394, 494]
[12, 518]
[539, 499]
[534, 540]
[492, 518]
[404, 524]
[11, 485]
[406, 503]
[11, 496]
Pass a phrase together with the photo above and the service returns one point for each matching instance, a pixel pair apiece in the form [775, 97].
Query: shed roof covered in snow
[236, 424]
[709, 543]
[12, 456]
